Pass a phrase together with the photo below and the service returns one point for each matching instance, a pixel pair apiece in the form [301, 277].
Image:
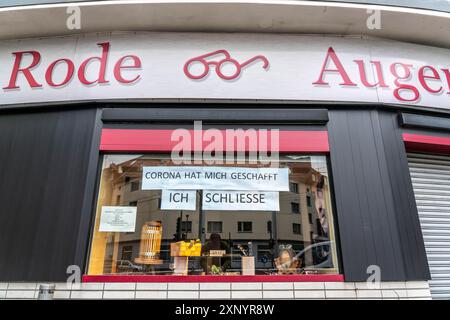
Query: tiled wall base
[266, 290]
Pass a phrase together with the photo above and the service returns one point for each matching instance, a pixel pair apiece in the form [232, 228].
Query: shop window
[135, 186]
[293, 187]
[245, 226]
[214, 226]
[296, 228]
[308, 201]
[220, 230]
[295, 207]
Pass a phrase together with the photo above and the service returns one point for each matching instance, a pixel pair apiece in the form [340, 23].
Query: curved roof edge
[402, 24]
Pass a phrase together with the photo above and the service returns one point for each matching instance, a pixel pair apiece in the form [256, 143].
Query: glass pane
[297, 239]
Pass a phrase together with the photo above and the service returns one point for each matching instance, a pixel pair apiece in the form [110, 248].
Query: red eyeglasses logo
[220, 64]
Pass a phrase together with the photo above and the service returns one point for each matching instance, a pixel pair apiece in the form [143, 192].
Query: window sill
[210, 278]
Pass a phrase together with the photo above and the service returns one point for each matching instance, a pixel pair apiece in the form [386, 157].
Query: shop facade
[218, 165]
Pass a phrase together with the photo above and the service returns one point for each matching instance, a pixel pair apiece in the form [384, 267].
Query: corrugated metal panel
[45, 159]
[431, 182]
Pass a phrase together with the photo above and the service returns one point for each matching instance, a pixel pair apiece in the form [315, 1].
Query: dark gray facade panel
[44, 156]
[217, 115]
[350, 225]
[90, 190]
[377, 218]
[409, 230]
[410, 120]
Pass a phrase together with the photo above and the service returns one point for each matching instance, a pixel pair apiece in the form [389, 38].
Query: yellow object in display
[191, 248]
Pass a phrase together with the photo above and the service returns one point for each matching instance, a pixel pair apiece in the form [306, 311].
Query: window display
[166, 219]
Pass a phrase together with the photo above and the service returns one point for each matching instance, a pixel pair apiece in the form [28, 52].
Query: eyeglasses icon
[220, 64]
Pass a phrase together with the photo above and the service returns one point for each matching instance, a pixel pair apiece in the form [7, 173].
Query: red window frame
[143, 140]
[426, 143]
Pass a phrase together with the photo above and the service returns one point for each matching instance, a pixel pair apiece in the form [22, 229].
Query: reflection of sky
[117, 159]
[442, 5]
[318, 162]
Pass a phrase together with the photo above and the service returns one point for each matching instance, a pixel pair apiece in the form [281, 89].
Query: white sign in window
[216, 178]
[118, 219]
[178, 199]
[240, 200]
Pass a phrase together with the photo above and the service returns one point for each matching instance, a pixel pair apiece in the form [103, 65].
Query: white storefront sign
[217, 178]
[178, 199]
[240, 200]
[118, 219]
[148, 66]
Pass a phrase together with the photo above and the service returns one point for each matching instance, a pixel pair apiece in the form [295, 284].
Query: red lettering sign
[339, 68]
[69, 71]
[406, 82]
[402, 73]
[25, 71]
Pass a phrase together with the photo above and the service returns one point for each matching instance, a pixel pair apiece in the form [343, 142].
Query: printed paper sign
[215, 178]
[217, 253]
[240, 200]
[178, 199]
[118, 219]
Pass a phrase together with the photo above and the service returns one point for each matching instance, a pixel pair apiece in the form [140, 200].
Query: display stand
[181, 266]
[248, 266]
[181, 251]
[150, 247]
